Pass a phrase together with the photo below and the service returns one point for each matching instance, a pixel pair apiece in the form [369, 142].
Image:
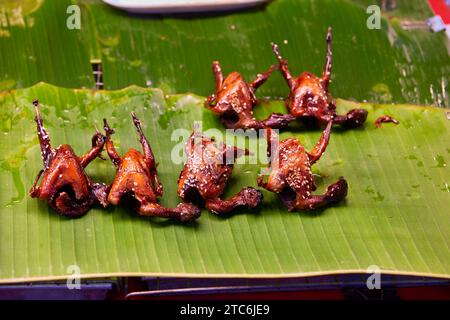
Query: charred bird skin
[309, 99]
[205, 174]
[137, 182]
[291, 176]
[65, 186]
[235, 98]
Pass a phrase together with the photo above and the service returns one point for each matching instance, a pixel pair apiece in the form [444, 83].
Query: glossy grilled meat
[234, 101]
[385, 119]
[291, 177]
[206, 172]
[309, 99]
[65, 186]
[137, 181]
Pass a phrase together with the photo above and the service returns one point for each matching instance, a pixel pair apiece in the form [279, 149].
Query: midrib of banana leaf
[395, 216]
[175, 53]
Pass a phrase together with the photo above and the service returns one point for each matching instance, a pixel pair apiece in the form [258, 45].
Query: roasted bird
[234, 100]
[205, 174]
[309, 99]
[291, 177]
[65, 186]
[137, 181]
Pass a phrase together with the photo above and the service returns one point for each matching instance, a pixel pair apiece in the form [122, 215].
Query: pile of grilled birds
[70, 192]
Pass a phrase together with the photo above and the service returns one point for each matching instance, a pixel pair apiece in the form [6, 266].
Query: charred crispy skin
[137, 179]
[206, 173]
[65, 186]
[234, 100]
[385, 119]
[309, 99]
[291, 177]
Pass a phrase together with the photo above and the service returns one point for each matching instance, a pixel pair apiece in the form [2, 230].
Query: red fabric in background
[425, 293]
[440, 8]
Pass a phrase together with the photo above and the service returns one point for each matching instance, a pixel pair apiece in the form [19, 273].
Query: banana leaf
[386, 65]
[395, 216]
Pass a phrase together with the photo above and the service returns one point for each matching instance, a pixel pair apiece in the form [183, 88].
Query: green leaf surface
[36, 45]
[175, 52]
[395, 216]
